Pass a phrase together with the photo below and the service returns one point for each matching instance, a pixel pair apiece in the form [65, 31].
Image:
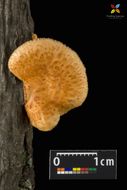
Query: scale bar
[76, 153]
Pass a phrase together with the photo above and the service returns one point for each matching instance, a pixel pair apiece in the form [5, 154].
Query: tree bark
[16, 134]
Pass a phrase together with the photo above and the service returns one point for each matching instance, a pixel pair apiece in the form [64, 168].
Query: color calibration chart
[75, 170]
[83, 164]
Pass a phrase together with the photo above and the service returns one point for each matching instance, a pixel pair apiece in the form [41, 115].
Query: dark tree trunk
[16, 166]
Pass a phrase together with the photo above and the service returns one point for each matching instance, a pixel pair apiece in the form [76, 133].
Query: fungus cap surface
[54, 80]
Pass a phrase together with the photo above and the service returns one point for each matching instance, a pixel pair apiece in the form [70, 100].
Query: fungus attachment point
[34, 37]
[54, 80]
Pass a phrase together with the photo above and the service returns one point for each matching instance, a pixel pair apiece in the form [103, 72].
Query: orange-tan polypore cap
[54, 80]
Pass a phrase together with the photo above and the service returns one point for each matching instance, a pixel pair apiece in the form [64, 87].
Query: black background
[99, 41]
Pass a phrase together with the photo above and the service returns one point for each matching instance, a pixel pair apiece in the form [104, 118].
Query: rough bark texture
[16, 166]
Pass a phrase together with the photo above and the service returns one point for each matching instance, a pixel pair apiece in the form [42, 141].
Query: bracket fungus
[54, 80]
